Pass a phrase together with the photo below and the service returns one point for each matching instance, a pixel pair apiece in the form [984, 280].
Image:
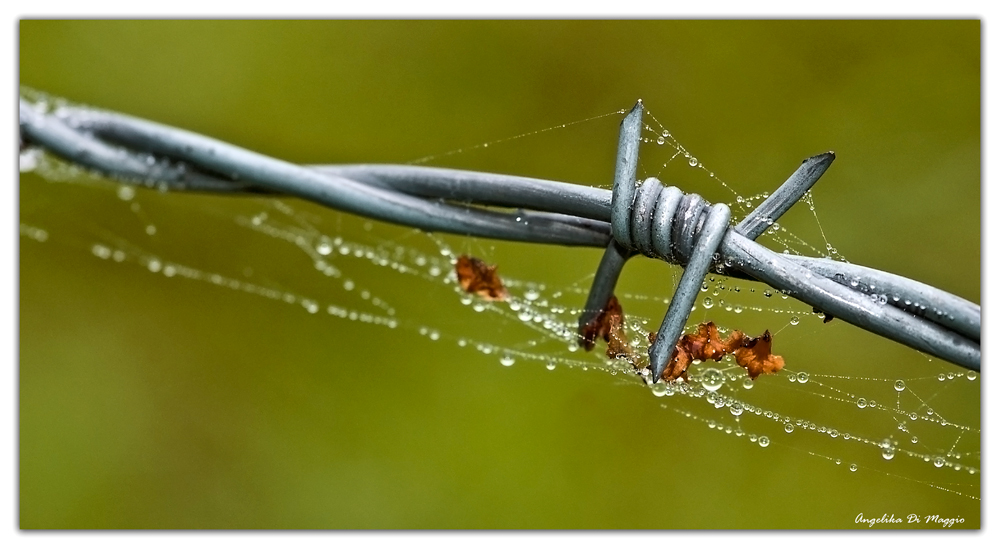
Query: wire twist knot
[660, 222]
[665, 223]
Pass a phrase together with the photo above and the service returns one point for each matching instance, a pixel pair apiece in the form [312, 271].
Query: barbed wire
[634, 218]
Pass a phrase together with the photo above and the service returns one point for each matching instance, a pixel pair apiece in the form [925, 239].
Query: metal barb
[713, 229]
[647, 218]
[793, 189]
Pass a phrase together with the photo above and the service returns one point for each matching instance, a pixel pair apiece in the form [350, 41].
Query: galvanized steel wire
[648, 219]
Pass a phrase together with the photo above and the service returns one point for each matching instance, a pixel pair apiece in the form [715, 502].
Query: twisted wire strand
[648, 219]
[70, 132]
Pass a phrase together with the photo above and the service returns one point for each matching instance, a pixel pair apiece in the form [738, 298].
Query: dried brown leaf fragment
[755, 355]
[475, 276]
[608, 325]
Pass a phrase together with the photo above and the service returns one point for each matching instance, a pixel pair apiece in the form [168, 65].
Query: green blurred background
[148, 402]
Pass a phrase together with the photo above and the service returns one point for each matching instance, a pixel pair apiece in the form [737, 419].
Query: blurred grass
[148, 402]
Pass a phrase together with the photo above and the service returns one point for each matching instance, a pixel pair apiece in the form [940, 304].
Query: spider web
[914, 422]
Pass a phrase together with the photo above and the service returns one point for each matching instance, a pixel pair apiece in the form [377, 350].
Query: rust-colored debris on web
[754, 354]
[476, 277]
[609, 325]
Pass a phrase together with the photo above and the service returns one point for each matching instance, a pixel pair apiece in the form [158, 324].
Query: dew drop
[853, 467]
[794, 321]
[660, 140]
[550, 365]
[434, 335]
[126, 192]
[939, 461]
[324, 248]
[789, 427]
[971, 375]
[659, 389]
[913, 440]
[899, 385]
[930, 411]
[942, 377]
[693, 162]
[764, 442]
[802, 377]
[748, 383]
[154, 265]
[507, 360]
[862, 402]
[888, 453]
[531, 295]
[707, 303]
[736, 409]
[712, 379]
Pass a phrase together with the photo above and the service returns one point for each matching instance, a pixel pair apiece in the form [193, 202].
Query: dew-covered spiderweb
[917, 422]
